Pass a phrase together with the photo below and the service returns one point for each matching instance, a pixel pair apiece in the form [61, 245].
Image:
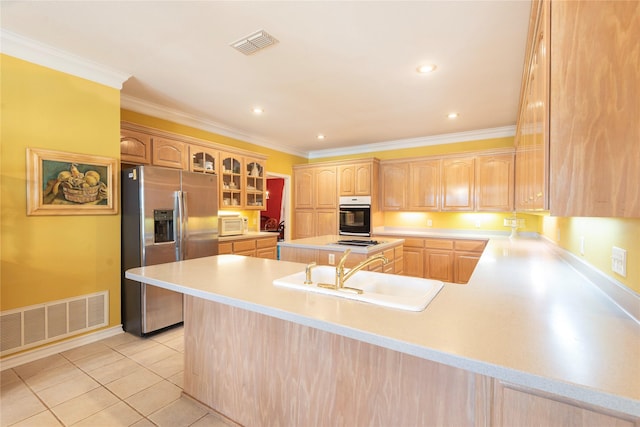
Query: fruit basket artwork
[70, 184]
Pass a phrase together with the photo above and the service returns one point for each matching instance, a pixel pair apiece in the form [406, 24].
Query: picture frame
[60, 183]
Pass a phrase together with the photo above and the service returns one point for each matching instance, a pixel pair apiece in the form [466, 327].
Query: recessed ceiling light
[453, 115]
[257, 110]
[426, 69]
[321, 136]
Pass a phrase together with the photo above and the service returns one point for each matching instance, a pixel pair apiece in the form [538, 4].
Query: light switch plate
[619, 261]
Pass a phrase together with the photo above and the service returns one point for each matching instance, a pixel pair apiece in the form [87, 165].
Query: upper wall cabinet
[169, 153]
[481, 181]
[203, 160]
[241, 174]
[356, 179]
[495, 182]
[135, 147]
[256, 184]
[458, 184]
[578, 127]
[424, 185]
[393, 185]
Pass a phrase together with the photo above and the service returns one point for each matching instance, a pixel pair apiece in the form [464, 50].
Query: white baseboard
[58, 347]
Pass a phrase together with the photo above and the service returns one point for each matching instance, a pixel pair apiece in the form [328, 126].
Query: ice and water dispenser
[163, 225]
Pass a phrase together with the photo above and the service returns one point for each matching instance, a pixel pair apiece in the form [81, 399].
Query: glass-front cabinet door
[256, 185]
[231, 181]
[203, 160]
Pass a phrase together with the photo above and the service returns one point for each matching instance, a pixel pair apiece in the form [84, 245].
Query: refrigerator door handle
[185, 223]
[177, 220]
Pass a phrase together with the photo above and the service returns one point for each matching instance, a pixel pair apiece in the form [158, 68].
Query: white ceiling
[346, 69]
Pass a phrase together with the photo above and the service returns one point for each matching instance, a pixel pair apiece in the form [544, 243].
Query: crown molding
[448, 138]
[159, 111]
[15, 45]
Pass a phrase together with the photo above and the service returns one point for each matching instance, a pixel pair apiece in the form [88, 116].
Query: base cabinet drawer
[261, 247]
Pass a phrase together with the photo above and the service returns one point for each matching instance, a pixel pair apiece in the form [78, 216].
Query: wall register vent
[254, 42]
[35, 325]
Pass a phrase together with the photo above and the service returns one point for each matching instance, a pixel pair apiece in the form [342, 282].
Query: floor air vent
[31, 326]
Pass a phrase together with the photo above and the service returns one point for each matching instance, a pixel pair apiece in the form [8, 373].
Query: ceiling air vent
[254, 42]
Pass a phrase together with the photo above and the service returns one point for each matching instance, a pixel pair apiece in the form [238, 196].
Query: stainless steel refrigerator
[167, 215]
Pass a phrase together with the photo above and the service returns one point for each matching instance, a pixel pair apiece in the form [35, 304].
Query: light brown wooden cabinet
[519, 406]
[393, 185]
[480, 181]
[255, 184]
[577, 131]
[135, 147]
[169, 153]
[495, 182]
[355, 179]
[315, 201]
[204, 160]
[448, 260]
[231, 181]
[241, 175]
[261, 247]
[322, 257]
[424, 185]
[413, 257]
[458, 184]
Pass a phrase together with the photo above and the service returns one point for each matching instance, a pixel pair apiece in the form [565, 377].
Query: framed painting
[61, 183]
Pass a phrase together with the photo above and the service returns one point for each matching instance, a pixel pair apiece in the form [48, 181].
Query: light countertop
[526, 317]
[328, 243]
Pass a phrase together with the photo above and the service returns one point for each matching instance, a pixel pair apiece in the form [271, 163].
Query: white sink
[388, 290]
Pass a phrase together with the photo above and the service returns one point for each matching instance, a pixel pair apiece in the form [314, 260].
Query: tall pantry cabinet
[316, 202]
[577, 148]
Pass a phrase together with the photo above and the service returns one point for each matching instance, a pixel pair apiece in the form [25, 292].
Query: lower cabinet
[448, 260]
[521, 406]
[438, 265]
[315, 222]
[395, 256]
[261, 247]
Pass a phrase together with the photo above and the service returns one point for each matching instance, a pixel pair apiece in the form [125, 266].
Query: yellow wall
[600, 235]
[46, 258]
[460, 220]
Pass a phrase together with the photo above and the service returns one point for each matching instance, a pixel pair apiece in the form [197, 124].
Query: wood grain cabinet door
[393, 186]
[424, 185]
[458, 180]
[325, 186]
[495, 183]
[438, 265]
[135, 147]
[169, 153]
[303, 188]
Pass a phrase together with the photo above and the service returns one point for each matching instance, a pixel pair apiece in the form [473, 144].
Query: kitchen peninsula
[528, 339]
[328, 249]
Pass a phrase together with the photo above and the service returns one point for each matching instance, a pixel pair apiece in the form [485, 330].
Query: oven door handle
[354, 206]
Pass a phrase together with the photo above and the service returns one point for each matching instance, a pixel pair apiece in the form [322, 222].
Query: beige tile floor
[119, 381]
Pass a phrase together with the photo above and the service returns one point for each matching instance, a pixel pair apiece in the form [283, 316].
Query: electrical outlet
[429, 223]
[619, 261]
[581, 245]
[332, 259]
[478, 224]
[507, 222]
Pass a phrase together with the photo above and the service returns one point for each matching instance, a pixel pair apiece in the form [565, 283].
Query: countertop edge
[558, 387]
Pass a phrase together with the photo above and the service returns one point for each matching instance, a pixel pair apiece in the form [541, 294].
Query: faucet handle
[307, 273]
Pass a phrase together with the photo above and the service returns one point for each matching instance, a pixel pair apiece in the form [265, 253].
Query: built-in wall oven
[355, 216]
